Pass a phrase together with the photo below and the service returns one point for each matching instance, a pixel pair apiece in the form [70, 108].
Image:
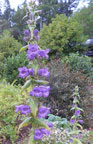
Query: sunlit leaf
[34, 107]
[25, 123]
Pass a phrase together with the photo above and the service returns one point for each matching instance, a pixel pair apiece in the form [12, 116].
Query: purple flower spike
[23, 72]
[43, 112]
[27, 32]
[38, 135]
[32, 48]
[43, 72]
[24, 109]
[77, 113]
[43, 53]
[80, 121]
[72, 121]
[31, 71]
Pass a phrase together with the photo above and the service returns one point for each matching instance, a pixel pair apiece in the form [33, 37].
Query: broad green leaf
[39, 123]
[34, 107]
[25, 123]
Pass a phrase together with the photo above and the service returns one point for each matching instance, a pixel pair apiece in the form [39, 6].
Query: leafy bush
[62, 36]
[11, 65]
[8, 45]
[77, 62]
[62, 82]
[9, 97]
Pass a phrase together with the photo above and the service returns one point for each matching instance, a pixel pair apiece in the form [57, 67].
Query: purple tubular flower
[43, 72]
[45, 131]
[45, 91]
[49, 124]
[24, 109]
[27, 32]
[36, 35]
[23, 72]
[31, 71]
[38, 135]
[32, 52]
[80, 121]
[43, 53]
[42, 91]
[72, 121]
[77, 113]
[36, 92]
[43, 112]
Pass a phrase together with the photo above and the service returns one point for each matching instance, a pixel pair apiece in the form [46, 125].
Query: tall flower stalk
[34, 87]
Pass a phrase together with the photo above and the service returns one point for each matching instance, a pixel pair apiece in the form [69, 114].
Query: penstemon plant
[76, 120]
[34, 88]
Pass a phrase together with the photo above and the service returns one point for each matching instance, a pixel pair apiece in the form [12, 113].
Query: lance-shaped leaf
[78, 125]
[23, 48]
[39, 123]
[31, 139]
[26, 85]
[39, 82]
[34, 107]
[25, 123]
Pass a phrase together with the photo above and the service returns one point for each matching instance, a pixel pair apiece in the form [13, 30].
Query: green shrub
[11, 65]
[8, 45]
[78, 63]
[9, 97]
[62, 36]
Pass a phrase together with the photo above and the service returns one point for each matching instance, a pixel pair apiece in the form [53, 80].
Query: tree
[62, 36]
[52, 7]
[85, 18]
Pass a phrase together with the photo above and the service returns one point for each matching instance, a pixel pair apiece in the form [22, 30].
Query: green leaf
[76, 141]
[34, 107]
[39, 123]
[26, 85]
[31, 140]
[78, 125]
[39, 82]
[25, 123]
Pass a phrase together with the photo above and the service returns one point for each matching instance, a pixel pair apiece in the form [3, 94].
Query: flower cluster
[41, 91]
[40, 133]
[34, 52]
[24, 109]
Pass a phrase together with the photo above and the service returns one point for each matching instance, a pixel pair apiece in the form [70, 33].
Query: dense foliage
[9, 97]
[11, 65]
[85, 17]
[8, 45]
[62, 83]
[78, 62]
[62, 36]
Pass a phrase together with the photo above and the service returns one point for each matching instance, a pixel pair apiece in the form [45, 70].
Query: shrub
[78, 63]
[9, 97]
[62, 82]
[8, 45]
[62, 36]
[11, 65]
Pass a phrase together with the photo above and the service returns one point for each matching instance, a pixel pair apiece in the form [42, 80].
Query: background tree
[52, 7]
[85, 18]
